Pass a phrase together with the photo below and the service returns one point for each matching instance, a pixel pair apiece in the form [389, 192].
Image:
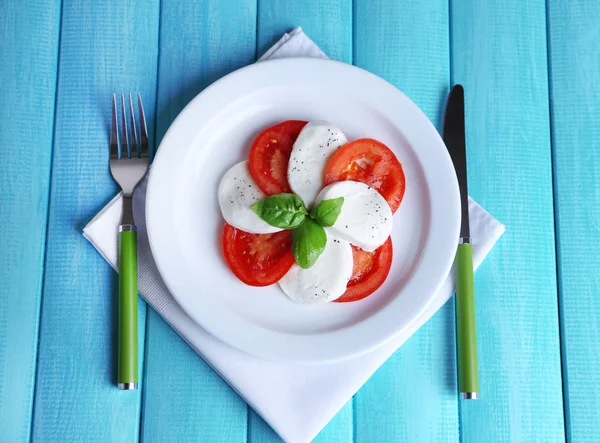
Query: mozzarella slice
[311, 152]
[324, 281]
[237, 193]
[365, 219]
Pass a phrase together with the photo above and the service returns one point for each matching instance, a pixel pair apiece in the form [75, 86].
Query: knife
[466, 337]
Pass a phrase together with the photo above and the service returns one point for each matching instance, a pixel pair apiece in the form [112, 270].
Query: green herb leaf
[308, 243]
[285, 211]
[327, 211]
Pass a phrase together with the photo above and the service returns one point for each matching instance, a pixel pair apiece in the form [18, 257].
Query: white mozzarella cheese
[365, 219]
[237, 193]
[326, 280]
[311, 152]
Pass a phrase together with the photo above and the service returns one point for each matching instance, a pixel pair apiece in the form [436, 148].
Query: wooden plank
[329, 25]
[200, 42]
[575, 98]
[185, 400]
[105, 47]
[499, 55]
[29, 36]
[412, 397]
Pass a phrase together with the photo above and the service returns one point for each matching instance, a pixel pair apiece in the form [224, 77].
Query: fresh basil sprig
[288, 211]
[308, 243]
[285, 211]
[327, 211]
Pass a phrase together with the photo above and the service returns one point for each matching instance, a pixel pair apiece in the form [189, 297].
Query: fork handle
[128, 308]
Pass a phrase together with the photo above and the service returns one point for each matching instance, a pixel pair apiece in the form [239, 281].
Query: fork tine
[114, 130]
[124, 141]
[135, 152]
[143, 128]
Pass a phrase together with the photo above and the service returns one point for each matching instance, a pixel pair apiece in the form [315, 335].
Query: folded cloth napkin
[297, 401]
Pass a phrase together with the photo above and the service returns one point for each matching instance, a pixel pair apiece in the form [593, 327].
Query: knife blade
[454, 138]
[466, 335]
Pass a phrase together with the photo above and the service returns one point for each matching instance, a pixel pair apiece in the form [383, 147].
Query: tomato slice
[257, 259]
[369, 272]
[270, 155]
[371, 162]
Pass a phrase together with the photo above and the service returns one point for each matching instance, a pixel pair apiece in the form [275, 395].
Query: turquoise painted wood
[498, 52]
[28, 48]
[104, 47]
[575, 111]
[328, 24]
[185, 400]
[413, 396]
[530, 163]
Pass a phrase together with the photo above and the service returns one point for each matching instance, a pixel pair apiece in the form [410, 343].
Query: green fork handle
[466, 336]
[128, 308]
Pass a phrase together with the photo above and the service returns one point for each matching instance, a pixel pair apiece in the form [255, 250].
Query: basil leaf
[327, 211]
[308, 243]
[285, 211]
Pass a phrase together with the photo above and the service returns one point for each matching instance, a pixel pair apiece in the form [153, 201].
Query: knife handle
[128, 309]
[468, 377]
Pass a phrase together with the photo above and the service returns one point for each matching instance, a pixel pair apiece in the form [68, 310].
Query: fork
[128, 167]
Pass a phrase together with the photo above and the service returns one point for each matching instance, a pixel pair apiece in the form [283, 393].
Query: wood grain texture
[574, 48]
[497, 49]
[185, 400]
[412, 397]
[329, 25]
[499, 55]
[28, 50]
[105, 47]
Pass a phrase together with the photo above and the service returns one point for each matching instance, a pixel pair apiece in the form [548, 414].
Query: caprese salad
[311, 211]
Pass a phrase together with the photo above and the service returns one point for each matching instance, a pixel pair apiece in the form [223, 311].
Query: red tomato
[270, 155]
[369, 272]
[371, 162]
[257, 259]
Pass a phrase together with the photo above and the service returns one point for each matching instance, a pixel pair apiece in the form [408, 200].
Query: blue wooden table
[531, 72]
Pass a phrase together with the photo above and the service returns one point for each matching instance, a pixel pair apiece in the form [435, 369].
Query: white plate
[215, 131]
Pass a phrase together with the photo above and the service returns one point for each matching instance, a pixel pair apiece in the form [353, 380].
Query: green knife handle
[128, 309]
[468, 378]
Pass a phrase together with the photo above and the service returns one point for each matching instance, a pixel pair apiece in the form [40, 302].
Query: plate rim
[447, 198]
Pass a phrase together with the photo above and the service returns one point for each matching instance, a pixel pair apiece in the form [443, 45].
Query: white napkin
[297, 401]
